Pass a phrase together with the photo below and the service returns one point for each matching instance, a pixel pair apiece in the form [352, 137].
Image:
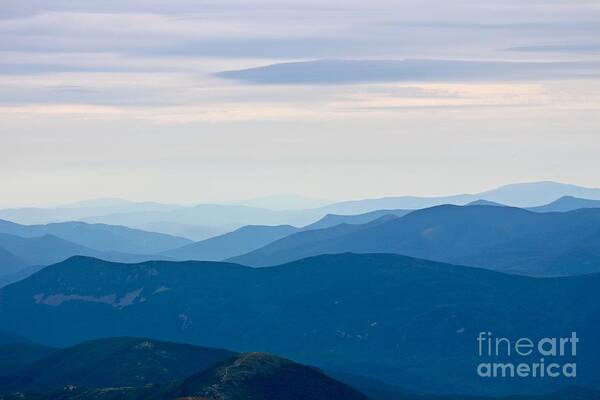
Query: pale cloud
[150, 26]
[120, 99]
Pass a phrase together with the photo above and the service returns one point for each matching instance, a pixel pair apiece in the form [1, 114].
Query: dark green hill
[17, 351]
[160, 392]
[15, 356]
[258, 376]
[115, 362]
[7, 337]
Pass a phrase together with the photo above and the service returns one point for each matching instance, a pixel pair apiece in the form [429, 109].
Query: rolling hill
[135, 368]
[7, 337]
[499, 238]
[483, 202]
[15, 356]
[114, 362]
[408, 322]
[24, 255]
[22, 273]
[17, 351]
[315, 239]
[331, 220]
[567, 203]
[258, 376]
[100, 237]
[10, 263]
[43, 250]
[252, 237]
[231, 244]
[212, 215]
[194, 221]
[80, 210]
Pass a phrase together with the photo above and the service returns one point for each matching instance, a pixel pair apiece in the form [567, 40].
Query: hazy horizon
[282, 198]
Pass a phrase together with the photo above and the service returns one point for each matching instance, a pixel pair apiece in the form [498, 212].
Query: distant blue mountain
[9, 263]
[293, 247]
[334, 219]
[100, 236]
[567, 203]
[252, 237]
[365, 206]
[537, 193]
[48, 249]
[6, 278]
[205, 220]
[192, 232]
[231, 244]
[81, 210]
[213, 215]
[499, 238]
[516, 195]
[483, 202]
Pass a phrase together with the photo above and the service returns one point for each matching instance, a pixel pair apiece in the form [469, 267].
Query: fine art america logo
[549, 357]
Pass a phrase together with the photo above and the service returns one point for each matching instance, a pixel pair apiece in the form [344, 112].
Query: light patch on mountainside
[114, 300]
[161, 289]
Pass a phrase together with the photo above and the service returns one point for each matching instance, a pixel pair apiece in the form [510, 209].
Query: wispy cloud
[323, 72]
[578, 48]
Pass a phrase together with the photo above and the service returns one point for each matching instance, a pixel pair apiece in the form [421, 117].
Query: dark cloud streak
[322, 72]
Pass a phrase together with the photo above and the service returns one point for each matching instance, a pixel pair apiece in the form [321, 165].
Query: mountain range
[115, 362]
[331, 220]
[249, 238]
[567, 203]
[21, 256]
[238, 242]
[201, 221]
[517, 195]
[379, 299]
[100, 237]
[49, 249]
[81, 210]
[499, 238]
[407, 322]
[143, 368]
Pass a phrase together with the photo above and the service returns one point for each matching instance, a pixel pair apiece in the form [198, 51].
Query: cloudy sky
[201, 101]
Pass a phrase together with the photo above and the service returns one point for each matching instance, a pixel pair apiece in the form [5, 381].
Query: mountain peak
[264, 376]
[483, 202]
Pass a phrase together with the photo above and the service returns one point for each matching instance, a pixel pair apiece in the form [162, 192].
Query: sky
[204, 101]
